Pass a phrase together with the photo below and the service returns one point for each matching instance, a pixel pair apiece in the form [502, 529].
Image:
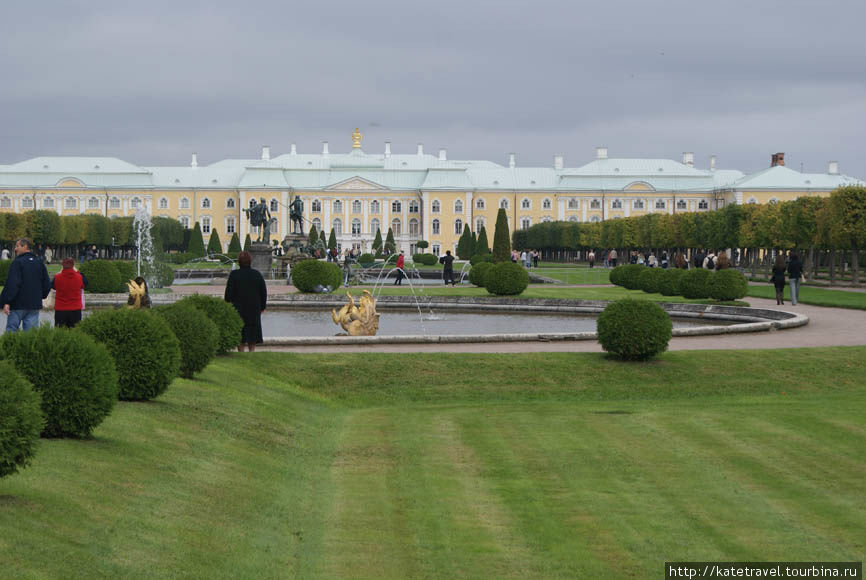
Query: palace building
[418, 196]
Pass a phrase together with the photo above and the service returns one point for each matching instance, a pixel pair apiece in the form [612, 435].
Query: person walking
[778, 278]
[535, 258]
[722, 261]
[795, 272]
[652, 261]
[400, 261]
[68, 286]
[611, 258]
[591, 258]
[699, 259]
[448, 271]
[248, 293]
[27, 285]
[49, 254]
[709, 261]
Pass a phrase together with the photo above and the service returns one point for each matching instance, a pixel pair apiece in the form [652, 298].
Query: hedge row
[697, 283]
[109, 276]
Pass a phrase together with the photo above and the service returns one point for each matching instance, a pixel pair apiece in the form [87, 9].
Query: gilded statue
[138, 295]
[361, 320]
[356, 139]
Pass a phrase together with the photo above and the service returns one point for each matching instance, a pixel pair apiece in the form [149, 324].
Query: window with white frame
[703, 204]
[184, 203]
[638, 204]
[27, 202]
[546, 204]
[163, 203]
[317, 223]
[375, 226]
[396, 227]
[479, 203]
[184, 221]
[70, 203]
[660, 204]
[752, 201]
[573, 203]
[337, 206]
[435, 207]
[681, 204]
[595, 219]
[435, 249]
[413, 206]
[230, 203]
[135, 203]
[546, 219]
[479, 223]
[93, 203]
[458, 206]
[458, 226]
[396, 206]
[595, 204]
[574, 218]
[503, 203]
[205, 224]
[253, 202]
[338, 226]
[230, 225]
[375, 207]
[356, 206]
[414, 227]
[114, 203]
[616, 204]
[525, 223]
[356, 226]
[205, 203]
[274, 206]
[525, 204]
[5, 202]
[435, 227]
[773, 201]
[48, 203]
[316, 206]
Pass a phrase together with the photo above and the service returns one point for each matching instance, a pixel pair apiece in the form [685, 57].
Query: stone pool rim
[746, 319]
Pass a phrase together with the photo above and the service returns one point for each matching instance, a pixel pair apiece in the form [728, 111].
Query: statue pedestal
[262, 258]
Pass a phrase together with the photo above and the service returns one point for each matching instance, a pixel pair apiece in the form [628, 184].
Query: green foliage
[161, 275]
[422, 244]
[223, 315]
[214, 246]
[390, 245]
[102, 276]
[43, 226]
[669, 283]
[198, 336]
[501, 238]
[505, 279]
[634, 329]
[650, 279]
[20, 420]
[332, 240]
[479, 258]
[309, 274]
[169, 232]
[4, 271]
[696, 283]
[482, 246]
[74, 374]
[464, 244]
[196, 242]
[426, 259]
[615, 275]
[728, 284]
[99, 230]
[478, 272]
[313, 236]
[126, 270]
[366, 258]
[629, 276]
[120, 228]
[377, 241]
[247, 243]
[234, 245]
[146, 352]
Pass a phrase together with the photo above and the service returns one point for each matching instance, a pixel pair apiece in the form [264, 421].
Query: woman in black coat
[247, 292]
[778, 278]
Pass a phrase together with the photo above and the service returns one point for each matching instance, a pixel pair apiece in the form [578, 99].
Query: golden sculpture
[356, 139]
[360, 320]
[138, 295]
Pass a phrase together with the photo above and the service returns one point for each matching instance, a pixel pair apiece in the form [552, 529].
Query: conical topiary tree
[247, 242]
[332, 240]
[235, 245]
[390, 245]
[464, 244]
[196, 242]
[501, 238]
[314, 236]
[482, 246]
[214, 246]
[377, 242]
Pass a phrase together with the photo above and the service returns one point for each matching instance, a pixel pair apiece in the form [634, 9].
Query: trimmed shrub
[102, 276]
[426, 259]
[669, 283]
[74, 374]
[198, 336]
[630, 275]
[309, 274]
[506, 279]
[224, 315]
[728, 284]
[162, 275]
[366, 258]
[616, 276]
[146, 352]
[20, 420]
[696, 283]
[634, 329]
[478, 273]
[480, 258]
[649, 280]
[127, 272]
[4, 271]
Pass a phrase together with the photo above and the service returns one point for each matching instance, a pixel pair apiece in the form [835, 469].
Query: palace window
[574, 218]
[337, 206]
[752, 201]
[338, 226]
[616, 204]
[435, 206]
[205, 203]
[546, 219]
[573, 203]
[638, 204]
[396, 227]
[356, 225]
[205, 225]
[114, 203]
[375, 207]
[317, 223]
[414, 228]
[435, 227]
[356, 206]
[184, 221]
[163, 203]
[773, 201]
[27, 202]
[374, 226]
[230, 225]
[595, 219]
[92, 203]
[135, 203]
[546, 204]
[479, 203]
[230, 203]
[435, 249]
[316, 206]
[595, 204]
[48, 202]
[479, 223]
[275, 206]
[458, 226]
[253, 202]
[525, 204]
[703, 204]
[413, 206]
[458, 206]
[71, 202]
[5, 202]
[503, 203]
[396, 206]
[525, 223]
[681, 204]
[184, 203]
[660, 204]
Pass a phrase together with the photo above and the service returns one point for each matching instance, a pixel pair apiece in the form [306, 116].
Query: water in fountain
[146, 264]
[377, 289]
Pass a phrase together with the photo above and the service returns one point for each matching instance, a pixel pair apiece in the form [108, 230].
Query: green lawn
[815, 296]
[380, 466]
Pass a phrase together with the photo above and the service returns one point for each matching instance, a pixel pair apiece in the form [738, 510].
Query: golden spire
[356, 139]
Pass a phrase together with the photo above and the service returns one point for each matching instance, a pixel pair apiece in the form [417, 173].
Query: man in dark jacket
[27, 284]
[699, 259]
[448, 271]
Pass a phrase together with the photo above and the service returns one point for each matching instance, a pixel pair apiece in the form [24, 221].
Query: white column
[326, 215]
[626, 204]
[671, 206]
[583, 203]
[386, 217]
[738, 197]
[365, 218]
[242, 219]
[560, 209]
[81, 206]
[425, 215]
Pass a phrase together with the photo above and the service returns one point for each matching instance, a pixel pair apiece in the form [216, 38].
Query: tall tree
[214, 246]
[332, 240]
[377, 242]
[234, 245]
[501, 238]
[314, 236]
[196, 242]
[464, 244]
[848, 211]
[482, 246]
[390, 244]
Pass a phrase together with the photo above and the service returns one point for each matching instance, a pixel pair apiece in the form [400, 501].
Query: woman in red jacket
[400, 275]
[69, 285]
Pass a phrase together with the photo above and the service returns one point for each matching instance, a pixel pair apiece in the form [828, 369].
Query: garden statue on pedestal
[358, 321]
[138, 295]
[260, 217]
[296, 214]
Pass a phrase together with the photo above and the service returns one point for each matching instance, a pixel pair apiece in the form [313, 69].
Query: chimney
[266, 153]
[420, 149]
[511, 160]
[712, 162]
[294, 150]
[689, 158]
[194, 162]
[443, 154]
[601, 152]
[324, 148]
[387, 149]
[777, 159]
[833, 168]
[557, 162]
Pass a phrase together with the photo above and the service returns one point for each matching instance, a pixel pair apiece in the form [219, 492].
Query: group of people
[528, 258]
[794, 269]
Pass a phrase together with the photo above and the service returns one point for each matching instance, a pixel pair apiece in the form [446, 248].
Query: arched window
[396, 206]
[375, 226]
[595, 204]
[375, 207]
[317, 223]
[458, 226]
[337, 205]
[479, 223]
[275, 206]
[616, 204]
[184, 221]
[638, 204]
[71, 202]
[395, 226]
[230, 203]
[660, 204]
[752, 201]
[184, 203]
[205, 225]
[316, 206]
[479, 203]
[435, 227]
[595, 219]
[546, 219]
[503, 203]
[435, 206]
[205, 203]
[413, 206]
[356, 225]
[338, 226]
[546, 204]
[681, 204]
[573, 203]
[163, 203]
[414, 228]
[92, 203]
[458, 206]
[114, 203]
[525, 204]
[525, 223]
[5, 202]
[253, 202]
[703, 204]
[48, 203]
[230, 225]
[356, 206]
[574, 218]
[135, 203]
[773, 201]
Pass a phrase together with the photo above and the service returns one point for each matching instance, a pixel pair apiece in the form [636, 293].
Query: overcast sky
[151, 82]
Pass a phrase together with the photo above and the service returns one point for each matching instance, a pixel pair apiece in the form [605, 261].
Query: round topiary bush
[425, 259]
[478, 273]
[480, 258]
[695, 283]
[224, 315]
[160, 275]
[506, 279]
[616, 276]
[4, 270]
[634, 329]
[146, 352]
[20, 420]
[127, 270]
[728, 284]
[630, 275]
[669, 283]
[198, 336]
[74, 374]
[310, 274]
[102, 276]
[366, 259]
[649, 280]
